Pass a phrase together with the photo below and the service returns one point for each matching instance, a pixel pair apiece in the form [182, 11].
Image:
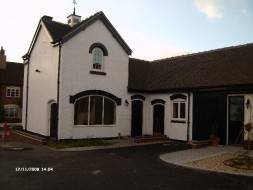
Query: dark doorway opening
[53, 120]
[209, 110]
[158, 120]
[235, 119]
[137, 117]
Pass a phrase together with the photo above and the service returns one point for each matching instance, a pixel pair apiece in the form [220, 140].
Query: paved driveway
[120, 169]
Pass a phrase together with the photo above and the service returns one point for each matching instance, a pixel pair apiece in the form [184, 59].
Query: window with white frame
[97, 59]
[11, 111]
[13, 92]
[179, 110]
[95, 110]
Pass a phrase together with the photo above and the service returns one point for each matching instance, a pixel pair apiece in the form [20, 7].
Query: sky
[153, 29]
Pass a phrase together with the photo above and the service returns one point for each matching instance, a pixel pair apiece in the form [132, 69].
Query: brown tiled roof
[217, 68]
[13, 74]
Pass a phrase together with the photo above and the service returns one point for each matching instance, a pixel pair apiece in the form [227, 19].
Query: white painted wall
[248, 114]
[75, 77]
[42, 85]
[177, 131]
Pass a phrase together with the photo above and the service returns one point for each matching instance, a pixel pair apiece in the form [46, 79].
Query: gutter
[27, 90]
[58, 86]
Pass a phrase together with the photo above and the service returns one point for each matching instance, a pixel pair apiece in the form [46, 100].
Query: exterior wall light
[126, 103]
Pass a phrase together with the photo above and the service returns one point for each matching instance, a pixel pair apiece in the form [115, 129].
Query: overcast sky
[152, 28]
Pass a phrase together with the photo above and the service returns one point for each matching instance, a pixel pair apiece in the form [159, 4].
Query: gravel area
[208, 158]
[215, 163]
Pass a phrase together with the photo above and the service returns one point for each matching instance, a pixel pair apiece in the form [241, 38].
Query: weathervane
[74, 3]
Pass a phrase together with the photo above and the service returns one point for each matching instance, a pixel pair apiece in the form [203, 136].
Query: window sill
[113, 125]
[97, 73]
[178, 121]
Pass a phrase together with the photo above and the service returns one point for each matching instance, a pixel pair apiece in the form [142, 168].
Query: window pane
[12, 112]
[175, 110]
[81, 111]
[182, 110]
[17, 92]
[109, 112]
[8, 92]
[96, 110]
[97, 56]
[6, 112]
[12, 92]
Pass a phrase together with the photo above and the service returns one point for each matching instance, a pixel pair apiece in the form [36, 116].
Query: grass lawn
[69, 143]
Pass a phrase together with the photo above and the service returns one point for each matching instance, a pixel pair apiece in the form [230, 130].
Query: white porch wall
[247, 114]
[177, 131]
[75, 77]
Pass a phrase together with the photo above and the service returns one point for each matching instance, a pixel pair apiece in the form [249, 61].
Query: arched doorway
[158, 117]
[137, 116]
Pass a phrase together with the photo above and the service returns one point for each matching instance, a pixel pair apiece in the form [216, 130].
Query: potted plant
[215, 140]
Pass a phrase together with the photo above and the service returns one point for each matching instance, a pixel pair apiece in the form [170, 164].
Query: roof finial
[74, 3]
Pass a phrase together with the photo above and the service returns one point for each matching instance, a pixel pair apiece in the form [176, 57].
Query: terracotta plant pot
[215, 141]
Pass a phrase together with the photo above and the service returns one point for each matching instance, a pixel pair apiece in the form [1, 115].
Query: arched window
[97, 61]
[95, 110]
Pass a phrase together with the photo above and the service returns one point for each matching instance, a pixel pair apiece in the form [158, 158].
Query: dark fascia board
[158, 101]
[243, 87]
[138, 96]
[73, 98]
[107, 23]
[12, 84]
[161, 91]
[27, 55]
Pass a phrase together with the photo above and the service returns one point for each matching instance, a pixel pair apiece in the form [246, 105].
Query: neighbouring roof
[216, 68]
[13, 74]
[63, 32]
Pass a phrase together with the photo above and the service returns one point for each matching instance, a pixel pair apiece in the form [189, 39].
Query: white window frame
[8, 108]
[102, 60]
[179, 102]
[97, 125]
[12, 90]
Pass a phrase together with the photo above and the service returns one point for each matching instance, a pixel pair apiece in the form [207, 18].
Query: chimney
[47, 18]
[2, 59]
[73, 19]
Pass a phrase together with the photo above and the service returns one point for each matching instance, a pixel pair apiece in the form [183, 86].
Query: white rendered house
[79, 82]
